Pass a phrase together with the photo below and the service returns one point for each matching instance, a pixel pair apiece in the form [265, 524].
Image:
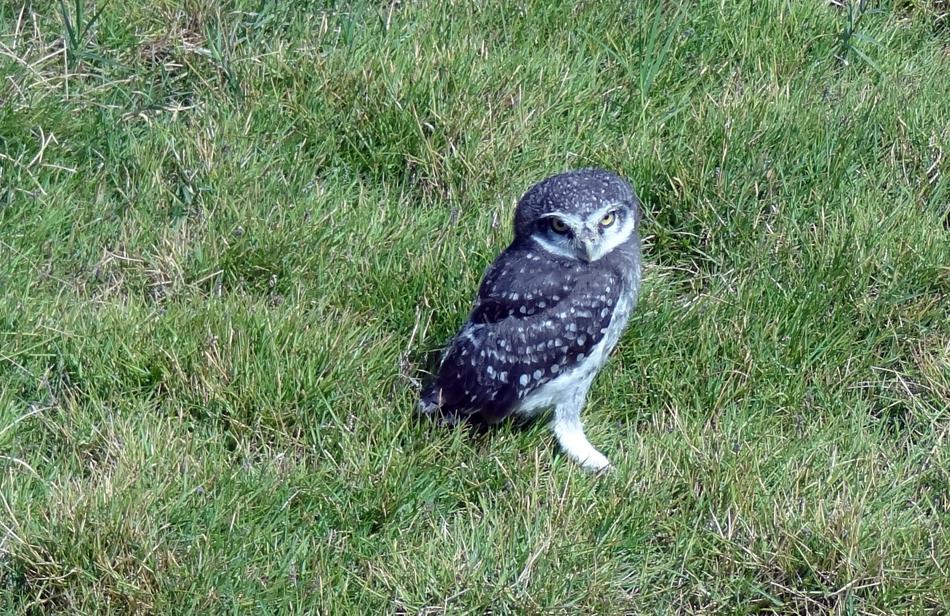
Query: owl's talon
[597, 466]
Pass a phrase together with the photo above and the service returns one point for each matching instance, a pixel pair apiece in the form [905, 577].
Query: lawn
[233, 236]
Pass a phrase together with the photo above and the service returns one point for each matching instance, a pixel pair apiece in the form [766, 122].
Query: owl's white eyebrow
[606, 209]
[568, 218]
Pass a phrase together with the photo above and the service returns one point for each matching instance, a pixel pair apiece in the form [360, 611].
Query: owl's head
[583, 214]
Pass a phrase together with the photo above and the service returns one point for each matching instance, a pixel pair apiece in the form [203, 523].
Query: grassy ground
[232, 233]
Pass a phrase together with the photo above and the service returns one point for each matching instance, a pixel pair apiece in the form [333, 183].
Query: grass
[232, 234]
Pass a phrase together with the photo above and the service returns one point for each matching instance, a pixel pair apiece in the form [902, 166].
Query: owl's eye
[558, 225]
[608, 219]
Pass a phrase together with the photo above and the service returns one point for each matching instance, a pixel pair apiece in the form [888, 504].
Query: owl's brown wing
[534, 320]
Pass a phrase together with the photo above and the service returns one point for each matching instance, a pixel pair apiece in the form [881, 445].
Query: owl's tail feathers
[431, 406]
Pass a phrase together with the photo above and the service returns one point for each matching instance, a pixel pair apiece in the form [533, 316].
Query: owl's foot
[596, 464]
[570, 434]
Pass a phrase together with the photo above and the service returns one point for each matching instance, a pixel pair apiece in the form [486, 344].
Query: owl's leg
[569, 430]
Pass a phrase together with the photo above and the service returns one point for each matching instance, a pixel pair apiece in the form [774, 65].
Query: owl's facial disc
[586, 238]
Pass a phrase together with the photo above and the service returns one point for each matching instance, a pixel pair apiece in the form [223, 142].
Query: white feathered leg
[569, 431]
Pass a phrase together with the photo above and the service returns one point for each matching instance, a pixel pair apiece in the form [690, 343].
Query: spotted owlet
[549, 311]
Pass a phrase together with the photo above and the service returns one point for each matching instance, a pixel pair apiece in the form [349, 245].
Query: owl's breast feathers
[535, 318]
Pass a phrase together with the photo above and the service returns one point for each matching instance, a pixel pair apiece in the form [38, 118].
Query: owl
[549, 311]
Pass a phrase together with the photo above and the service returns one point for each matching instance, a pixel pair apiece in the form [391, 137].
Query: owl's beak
[585, 246]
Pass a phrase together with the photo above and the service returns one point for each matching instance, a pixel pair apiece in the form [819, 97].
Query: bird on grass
[549, 311]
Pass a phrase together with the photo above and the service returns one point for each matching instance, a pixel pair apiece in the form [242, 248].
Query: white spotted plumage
[549, 311]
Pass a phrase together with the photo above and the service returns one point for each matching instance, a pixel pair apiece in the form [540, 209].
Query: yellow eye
[608, 220]
[558, 225]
